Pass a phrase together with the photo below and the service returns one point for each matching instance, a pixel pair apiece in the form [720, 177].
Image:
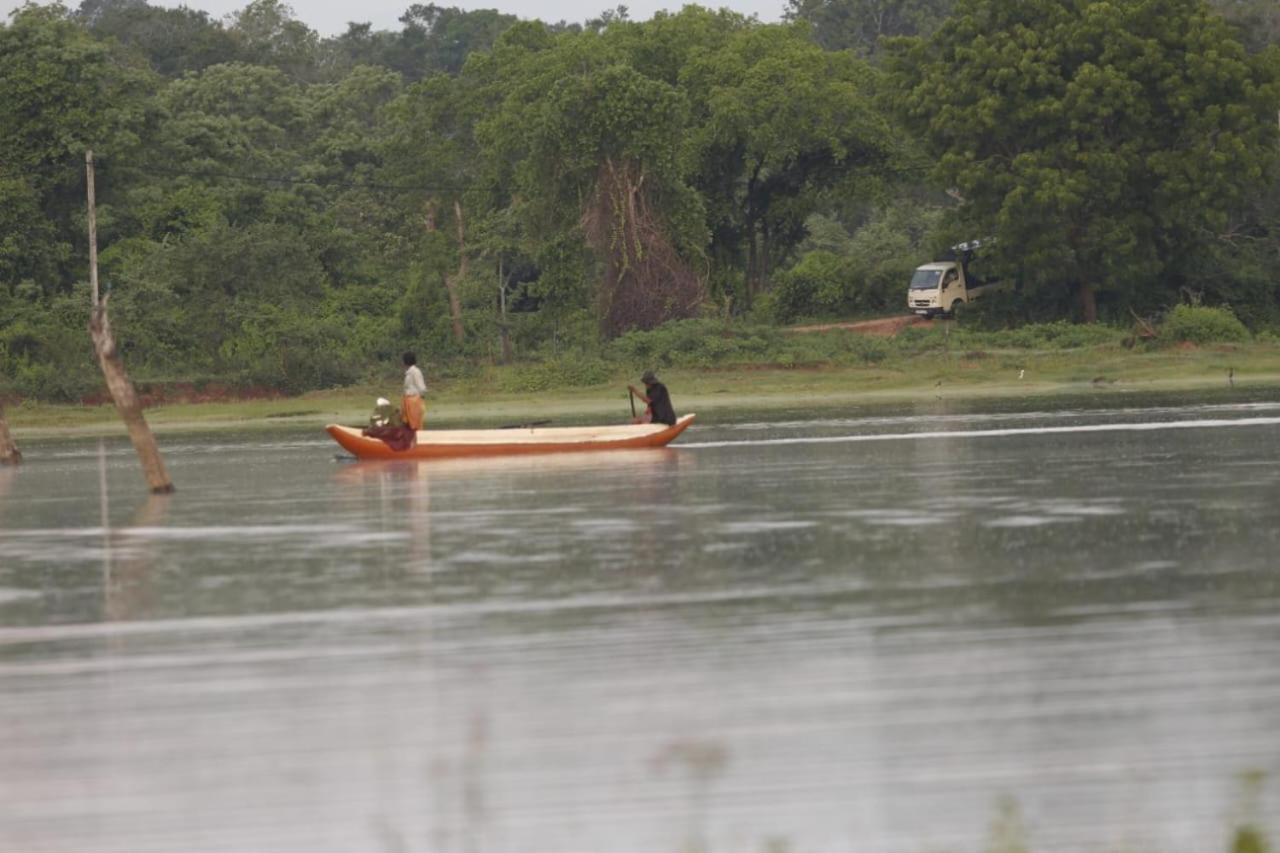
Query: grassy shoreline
[723, 391]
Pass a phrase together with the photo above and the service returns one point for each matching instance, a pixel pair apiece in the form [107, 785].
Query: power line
[289, 181]
[106, 166]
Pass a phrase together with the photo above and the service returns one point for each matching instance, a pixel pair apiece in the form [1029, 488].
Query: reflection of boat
[441, 444]
[620, 463]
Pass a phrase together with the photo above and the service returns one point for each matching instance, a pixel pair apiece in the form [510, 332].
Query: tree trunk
[753, 261]
[763, 262]
[451, 282]
[504, 331]
[455, 305]
[1088, 303]
[126, 400]
[9, 454]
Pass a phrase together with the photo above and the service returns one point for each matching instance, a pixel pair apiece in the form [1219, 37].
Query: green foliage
[191, 292]
[30, 249]
[785, 125]
[555, 373]
[686, 343]
[1249, 839]
[965, 337]
[1257, 22]
[277, 208]
[1201, 325]
[433, 39]
[1097, 141]
[859, 25]
[886, 250]
[821, 285]
[45, 349]
[710, 343]
[839, 275]
[61, 93]
[288, 350]
[173, 41]
[266, 33]
[1050, 336]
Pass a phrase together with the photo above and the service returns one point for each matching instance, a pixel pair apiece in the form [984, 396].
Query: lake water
[923, 629]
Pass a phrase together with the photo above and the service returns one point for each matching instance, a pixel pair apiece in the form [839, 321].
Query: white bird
[1022, 372]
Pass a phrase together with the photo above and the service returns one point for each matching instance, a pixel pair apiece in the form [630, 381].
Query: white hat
[382, 401]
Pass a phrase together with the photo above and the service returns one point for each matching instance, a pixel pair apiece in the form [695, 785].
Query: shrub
[45, 349]
[1060, 334]
[288, 350]
[563, 372]
[1200, 325]
[692, 343]
[820, 285]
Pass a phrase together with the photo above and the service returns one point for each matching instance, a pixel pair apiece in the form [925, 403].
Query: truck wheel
[955, 308]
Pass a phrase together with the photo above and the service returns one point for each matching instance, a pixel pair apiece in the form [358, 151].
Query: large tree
[174, 41]
[267, 33]
[859, 25]
[739, 129]
[60, 93]
[429, 149]
[1099, 141]
[433, 39]
[1257, 21]
[584, 147]
[778, 125]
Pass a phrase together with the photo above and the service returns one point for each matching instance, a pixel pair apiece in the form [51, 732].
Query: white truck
[941, 287]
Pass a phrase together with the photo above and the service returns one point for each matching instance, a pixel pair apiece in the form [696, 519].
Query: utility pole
[93, 229]
[118, 383]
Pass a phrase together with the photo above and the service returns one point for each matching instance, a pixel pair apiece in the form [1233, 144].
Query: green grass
[968, 373]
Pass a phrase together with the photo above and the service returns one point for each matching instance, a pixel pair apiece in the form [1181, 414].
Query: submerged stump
[9, 454]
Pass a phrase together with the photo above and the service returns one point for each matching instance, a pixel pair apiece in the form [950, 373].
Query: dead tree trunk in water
[9, 454]
[104, 345]
[127, 402]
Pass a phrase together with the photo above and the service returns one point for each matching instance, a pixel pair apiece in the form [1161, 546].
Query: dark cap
[648, 378]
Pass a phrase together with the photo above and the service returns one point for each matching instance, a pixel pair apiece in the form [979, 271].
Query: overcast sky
[330, 17]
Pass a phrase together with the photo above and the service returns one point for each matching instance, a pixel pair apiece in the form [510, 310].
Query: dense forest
[284, 210]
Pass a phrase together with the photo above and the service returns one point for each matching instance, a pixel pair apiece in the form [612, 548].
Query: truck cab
[937, 288]
[941, 287]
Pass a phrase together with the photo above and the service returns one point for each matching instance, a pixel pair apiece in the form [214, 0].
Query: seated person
[657, 400]
[384, 414]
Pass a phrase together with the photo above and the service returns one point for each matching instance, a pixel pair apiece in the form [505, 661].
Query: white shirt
[414, 384]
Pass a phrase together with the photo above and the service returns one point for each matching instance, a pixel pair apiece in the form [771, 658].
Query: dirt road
[885, 327]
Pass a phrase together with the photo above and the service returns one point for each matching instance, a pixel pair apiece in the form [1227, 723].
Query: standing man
[413, 409]
[657, 401]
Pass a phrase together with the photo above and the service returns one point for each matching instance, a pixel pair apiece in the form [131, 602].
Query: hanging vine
[646, 281]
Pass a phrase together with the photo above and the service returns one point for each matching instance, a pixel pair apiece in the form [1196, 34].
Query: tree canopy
[1097, 141]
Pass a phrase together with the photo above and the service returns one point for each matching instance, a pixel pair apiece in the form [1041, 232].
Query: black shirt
[660, 404]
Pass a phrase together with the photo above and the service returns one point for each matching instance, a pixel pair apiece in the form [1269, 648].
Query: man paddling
[657, 400]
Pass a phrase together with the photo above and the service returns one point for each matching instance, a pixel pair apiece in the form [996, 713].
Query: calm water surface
[919, 630]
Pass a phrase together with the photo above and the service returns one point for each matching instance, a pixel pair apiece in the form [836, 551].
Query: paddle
[631, 395]
[525, 425]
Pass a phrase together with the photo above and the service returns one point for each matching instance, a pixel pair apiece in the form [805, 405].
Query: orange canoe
[445, 443]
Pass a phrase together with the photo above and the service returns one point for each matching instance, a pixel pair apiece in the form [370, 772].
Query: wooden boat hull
[445, 444]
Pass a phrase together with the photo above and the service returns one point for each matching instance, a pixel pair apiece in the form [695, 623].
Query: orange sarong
[413, 410]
